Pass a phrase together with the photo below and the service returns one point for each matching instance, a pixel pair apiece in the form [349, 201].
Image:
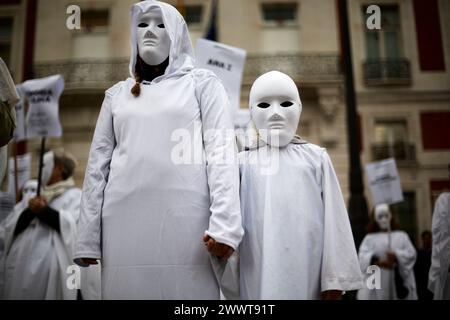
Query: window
[391, 132]
[6, 31]
[280, 13]
[94, 20]
[92, 41]
[384, 43]
[193, 14]
[435, 128]
[429, 35]
[279, 32]
[391, 141]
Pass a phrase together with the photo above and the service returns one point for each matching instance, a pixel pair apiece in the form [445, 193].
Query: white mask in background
[152, 38]
[275, 107]
[383, 216]
[29, 190]
[47, 170]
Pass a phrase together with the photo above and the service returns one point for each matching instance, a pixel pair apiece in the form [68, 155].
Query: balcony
[403, 152]
[380, 72]
[103, 73]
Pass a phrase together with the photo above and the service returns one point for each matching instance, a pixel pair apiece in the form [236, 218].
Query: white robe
[298, 241]
[377, 244]
[143, 214]
[439, 276]
[37, 261]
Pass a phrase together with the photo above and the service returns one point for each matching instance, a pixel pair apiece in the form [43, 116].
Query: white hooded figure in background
[29, 191]
[439, 275]
[149, 195]
[298, 242]
[40, 235]
[393, 252]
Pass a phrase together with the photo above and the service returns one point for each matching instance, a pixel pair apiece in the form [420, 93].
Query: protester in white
[8, 99]
[392, 251]
[40, 234]
[439, 275]
[28, 192]
[143, 213]
[298, 242]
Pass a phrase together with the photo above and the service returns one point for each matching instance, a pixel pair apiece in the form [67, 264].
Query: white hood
[181, 56]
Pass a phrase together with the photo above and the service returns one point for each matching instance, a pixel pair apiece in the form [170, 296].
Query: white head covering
[181, 56]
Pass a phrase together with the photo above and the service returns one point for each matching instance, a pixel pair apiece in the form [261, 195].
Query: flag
[211, 33]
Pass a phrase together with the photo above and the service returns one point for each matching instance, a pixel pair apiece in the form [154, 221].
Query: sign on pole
[384, 182]
[227, 63]
[42, 118]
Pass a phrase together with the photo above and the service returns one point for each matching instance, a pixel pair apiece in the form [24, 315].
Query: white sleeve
[340, 267]
[440, 257]
[406, 256]
[88, 243]
[225, 224]
[365, 254]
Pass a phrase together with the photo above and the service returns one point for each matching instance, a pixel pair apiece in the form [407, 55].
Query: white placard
[384, 182]
[19, 132]
[42, 118]
[23, 173]
[227, 63]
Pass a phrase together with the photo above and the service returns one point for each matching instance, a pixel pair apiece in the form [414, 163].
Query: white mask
[47, 170]
[29, 190]
[383, 216]
[152, 38]
[275, 108]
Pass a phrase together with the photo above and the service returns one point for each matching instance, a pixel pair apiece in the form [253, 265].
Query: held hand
[220, 250]
[332, 295]
[36, 204]
[89, 261]
[391, 257]
[386, 264]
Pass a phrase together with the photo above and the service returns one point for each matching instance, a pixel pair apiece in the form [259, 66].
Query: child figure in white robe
[298, 242]
[392, 251]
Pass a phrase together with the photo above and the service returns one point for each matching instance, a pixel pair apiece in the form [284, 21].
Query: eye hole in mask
[286, 104]
[161, 26]
[263, 105]
[142, 25]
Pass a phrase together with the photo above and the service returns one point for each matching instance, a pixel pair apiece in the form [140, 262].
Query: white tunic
[298, 241]
[377, 244]
[439, 276]
[37, 259]
[144, 213]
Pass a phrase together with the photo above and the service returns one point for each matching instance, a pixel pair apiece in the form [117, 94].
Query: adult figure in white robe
[39, 238]
[149, 195]
[439, 276]
[391, 250]
[298, 242]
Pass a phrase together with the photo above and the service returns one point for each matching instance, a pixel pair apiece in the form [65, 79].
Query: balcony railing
[387, 72]
[403, 152]
[102, 73]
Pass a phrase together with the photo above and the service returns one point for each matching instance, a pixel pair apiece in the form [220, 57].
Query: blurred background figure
[8, 99]
[392, 251]
[422, 266]
[39, 234]
[439, 277]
